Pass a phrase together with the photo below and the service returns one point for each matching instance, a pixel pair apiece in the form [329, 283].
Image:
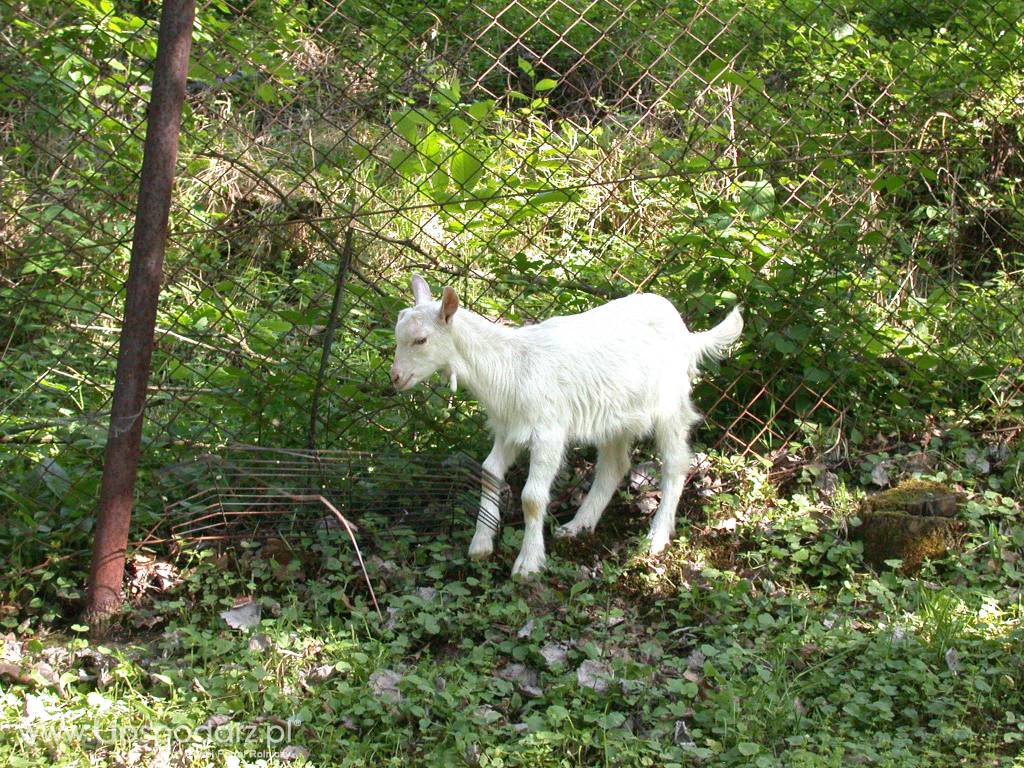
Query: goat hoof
[565, 531]
[480, 548]
[569, 531]
[658, 543]
[527, 567]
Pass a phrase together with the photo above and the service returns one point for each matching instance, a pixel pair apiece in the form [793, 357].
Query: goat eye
[420, 341]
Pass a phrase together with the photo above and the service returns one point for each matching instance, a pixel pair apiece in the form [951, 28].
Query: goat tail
[714, 344]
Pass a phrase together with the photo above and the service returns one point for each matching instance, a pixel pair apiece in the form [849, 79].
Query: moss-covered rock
[912, 522]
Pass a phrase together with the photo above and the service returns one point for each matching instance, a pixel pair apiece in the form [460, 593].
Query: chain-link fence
[849, 172]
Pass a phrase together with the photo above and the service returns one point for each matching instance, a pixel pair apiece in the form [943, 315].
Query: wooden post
[142, 290]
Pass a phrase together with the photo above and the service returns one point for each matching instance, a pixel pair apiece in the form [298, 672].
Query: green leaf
[430, 146]
[889, 184]
[784, 345]
[743, 80]
[447, 95]
[429, 623]
[436, 187]
[612, 720]
[557, 713]
[556, 196]
[532, 207]
[478, 110]
[459, 127]
[748, 748]
[715, 71]
[275, 325]
[406, 162]
[265, 92]
[756, 198]
[407, 123]
[545, 85]
[465, 169]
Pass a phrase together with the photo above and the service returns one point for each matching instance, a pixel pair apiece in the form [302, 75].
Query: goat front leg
[545, 459]
[489, 517]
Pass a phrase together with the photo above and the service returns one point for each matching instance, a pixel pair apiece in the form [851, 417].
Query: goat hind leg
[612, 464]
[673, 437]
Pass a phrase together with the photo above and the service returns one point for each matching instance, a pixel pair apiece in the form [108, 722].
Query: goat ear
[420, 290]
[449, 303]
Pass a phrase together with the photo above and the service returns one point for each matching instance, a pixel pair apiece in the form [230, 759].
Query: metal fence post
[142, 291]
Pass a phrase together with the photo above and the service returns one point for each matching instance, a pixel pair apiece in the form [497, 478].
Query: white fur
[604, 377]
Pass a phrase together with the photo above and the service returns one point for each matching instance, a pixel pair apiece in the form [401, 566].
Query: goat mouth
[404, 384]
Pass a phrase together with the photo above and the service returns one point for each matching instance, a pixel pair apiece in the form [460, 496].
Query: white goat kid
[604, 377]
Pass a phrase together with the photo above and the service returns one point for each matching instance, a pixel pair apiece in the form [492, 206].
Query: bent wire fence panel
[255, 492]
[849, 173]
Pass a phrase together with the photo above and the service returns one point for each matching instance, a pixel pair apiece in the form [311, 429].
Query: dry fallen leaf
[213, 722]
[260, 643]
[826, 482]
[554, 654]
[526, 679]
[35, 708]
[320, 674]
[643, 476]
[681, 735]
[10, 649]
[384, 684]
[880, 473]
[596, 675]
[243, 616]
[293, 752]
[13, 673]
[647, 504]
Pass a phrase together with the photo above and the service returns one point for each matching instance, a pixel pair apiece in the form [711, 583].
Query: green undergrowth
[760, 638]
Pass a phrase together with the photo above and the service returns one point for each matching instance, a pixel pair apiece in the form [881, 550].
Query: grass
[765, 642]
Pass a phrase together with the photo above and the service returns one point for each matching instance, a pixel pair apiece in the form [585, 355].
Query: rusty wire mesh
[540, 156]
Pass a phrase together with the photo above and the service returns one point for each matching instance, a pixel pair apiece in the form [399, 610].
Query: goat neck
[489, 359]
